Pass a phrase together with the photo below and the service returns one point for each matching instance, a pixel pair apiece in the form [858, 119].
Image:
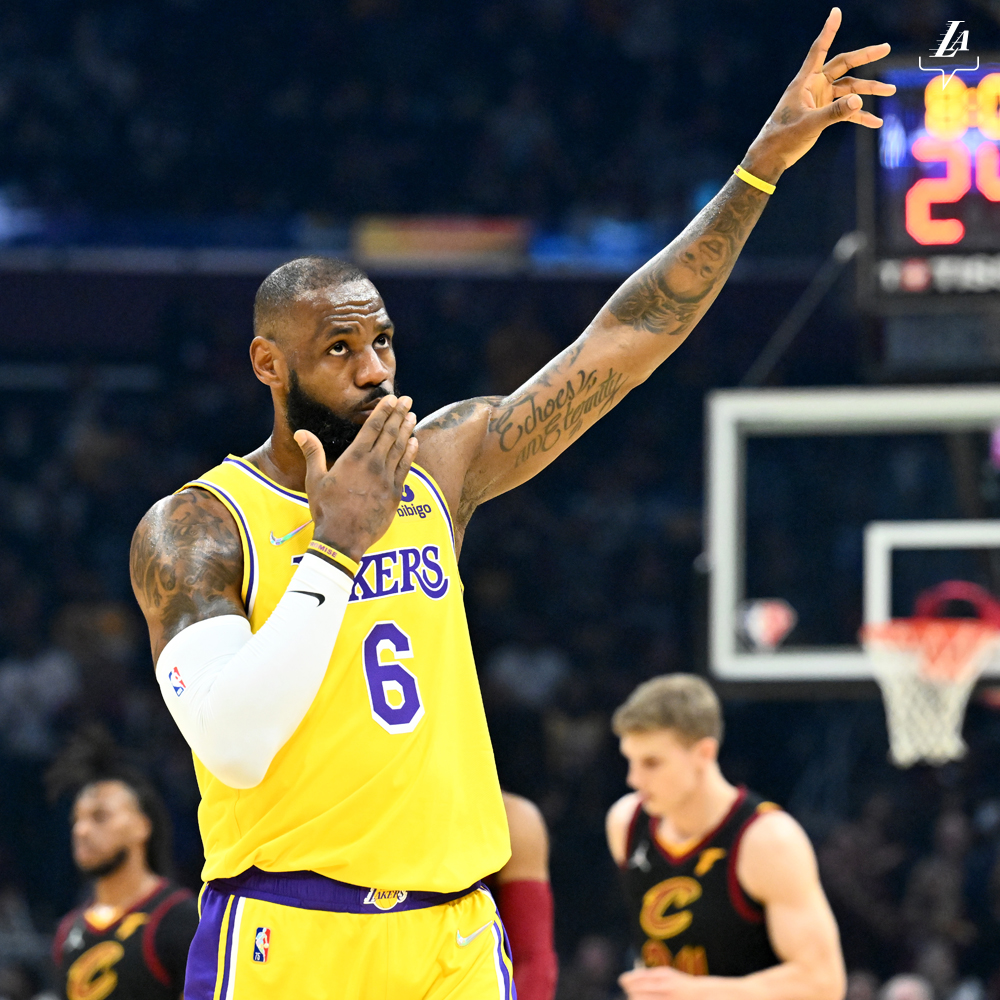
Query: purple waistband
[309, 891]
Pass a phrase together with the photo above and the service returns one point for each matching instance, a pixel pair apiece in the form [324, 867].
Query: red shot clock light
[952, 110]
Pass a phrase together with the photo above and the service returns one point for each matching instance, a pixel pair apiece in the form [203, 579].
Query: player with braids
[306, 620]
[130, 940]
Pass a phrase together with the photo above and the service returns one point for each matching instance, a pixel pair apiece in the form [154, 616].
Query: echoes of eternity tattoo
[671, 293]
[186, 554]
[528, 426]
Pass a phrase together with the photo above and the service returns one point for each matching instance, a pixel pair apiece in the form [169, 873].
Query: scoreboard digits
[929, 190]
[952, 109]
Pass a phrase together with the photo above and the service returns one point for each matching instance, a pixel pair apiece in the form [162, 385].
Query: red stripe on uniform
[152, 960]
[62, 932]
[749, 910]
[631, 834]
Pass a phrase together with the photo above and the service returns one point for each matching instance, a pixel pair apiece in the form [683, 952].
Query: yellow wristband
[335, 556]
[745, 175]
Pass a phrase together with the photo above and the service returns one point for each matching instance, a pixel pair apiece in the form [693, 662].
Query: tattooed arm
[186, 564]
[215, 675]
[482, 447]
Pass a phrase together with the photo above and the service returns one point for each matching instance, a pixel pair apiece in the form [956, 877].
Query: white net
[927, 670]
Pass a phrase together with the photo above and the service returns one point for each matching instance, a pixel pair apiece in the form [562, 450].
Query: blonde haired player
[723, 888]
[306, 619]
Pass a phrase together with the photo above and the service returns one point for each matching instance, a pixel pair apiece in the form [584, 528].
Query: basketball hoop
[927, 667]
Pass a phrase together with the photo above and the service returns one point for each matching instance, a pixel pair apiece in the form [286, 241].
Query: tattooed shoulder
[458, 413]
[186, 562]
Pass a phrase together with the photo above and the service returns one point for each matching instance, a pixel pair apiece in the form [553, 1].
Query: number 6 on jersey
[393, 691]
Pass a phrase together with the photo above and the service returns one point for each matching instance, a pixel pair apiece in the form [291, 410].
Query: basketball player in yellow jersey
[306, 618]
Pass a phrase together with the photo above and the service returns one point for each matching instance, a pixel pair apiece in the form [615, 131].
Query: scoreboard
[929, 191]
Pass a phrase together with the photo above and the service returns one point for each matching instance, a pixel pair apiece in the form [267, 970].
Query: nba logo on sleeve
[176, 683]
[261, 944]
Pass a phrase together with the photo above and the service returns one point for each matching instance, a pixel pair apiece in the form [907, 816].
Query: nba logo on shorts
[261, 944]
[176, 683]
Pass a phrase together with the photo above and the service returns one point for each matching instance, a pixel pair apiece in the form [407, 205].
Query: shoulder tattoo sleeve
[186, 564]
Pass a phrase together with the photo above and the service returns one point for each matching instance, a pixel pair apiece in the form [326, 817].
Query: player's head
[117, 814]
[323, 344]
[669, 730]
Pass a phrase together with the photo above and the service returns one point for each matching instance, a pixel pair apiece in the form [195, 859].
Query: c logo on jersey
[385, 899]
[92, 975]
[674, 893]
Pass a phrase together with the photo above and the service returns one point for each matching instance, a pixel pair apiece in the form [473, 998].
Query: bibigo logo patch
[385, 899]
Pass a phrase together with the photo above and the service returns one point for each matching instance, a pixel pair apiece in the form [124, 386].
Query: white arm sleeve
[238, 696]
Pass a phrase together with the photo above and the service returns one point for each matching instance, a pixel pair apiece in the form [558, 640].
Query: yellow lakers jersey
[389, 780]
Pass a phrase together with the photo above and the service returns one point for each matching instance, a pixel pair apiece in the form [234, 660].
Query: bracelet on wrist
[334, 556]
[749, 178]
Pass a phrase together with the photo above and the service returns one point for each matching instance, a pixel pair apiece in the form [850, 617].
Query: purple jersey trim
[203, 957]
[251, 595]
[299, 498]
[309, 891]
[420, 474]
[503, 950]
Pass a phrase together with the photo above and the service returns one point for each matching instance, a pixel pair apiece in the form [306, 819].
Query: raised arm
[499, 442]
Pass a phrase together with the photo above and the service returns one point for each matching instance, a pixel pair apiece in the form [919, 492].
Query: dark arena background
[499, 168]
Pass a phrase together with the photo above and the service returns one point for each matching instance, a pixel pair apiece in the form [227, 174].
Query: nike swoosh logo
[311, 593]
[291, 534]
[463, 941]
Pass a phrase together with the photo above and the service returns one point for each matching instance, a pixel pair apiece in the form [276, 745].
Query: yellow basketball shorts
[300, 936]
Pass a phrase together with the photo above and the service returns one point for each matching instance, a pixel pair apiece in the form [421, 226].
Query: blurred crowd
[549, 108]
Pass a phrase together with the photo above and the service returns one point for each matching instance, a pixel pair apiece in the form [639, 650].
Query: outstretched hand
[820, 94]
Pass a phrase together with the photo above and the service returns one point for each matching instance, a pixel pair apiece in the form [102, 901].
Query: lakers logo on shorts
[385, 899]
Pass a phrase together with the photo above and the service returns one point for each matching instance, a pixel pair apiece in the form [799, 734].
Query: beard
[106, 867]
[335, 432]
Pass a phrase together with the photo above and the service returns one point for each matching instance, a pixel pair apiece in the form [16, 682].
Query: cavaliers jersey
[689, 910]
[140, 956]
[389, 780]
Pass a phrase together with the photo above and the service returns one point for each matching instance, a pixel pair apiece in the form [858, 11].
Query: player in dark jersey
[723, 888]
[130, 940]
